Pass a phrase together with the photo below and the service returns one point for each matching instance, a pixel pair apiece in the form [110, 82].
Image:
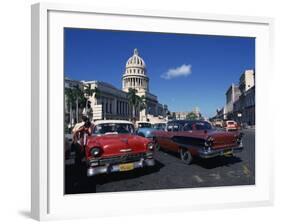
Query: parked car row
[116, 146]
[228, 125]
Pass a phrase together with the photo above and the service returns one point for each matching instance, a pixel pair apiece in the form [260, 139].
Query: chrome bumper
[92, 171]
[209, 153]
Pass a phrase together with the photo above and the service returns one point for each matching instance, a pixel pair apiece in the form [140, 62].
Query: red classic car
[197, 139]
[113, 146]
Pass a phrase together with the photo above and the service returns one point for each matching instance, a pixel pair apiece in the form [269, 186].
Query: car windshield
[113, 128]
[144, 125]
[230, 122]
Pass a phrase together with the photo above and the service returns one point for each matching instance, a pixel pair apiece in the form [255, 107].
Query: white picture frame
[48, 200]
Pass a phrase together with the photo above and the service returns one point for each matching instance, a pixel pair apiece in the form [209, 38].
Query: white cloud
[183, 70]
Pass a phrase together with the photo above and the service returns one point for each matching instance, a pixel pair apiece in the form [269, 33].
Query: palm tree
[143, 104]
[70, 99]
[79, 99]
[134, 100]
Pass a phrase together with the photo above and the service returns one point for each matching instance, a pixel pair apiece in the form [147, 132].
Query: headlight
[150, 146]
[209, 142]
[96, 152]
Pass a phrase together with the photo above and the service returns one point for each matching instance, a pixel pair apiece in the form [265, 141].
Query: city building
[136, 77]
[247, 80]
[240, 101]
[180, 115]
[194, 114]
[232, 95]
[113, 103]
[221, 113]
[244, 107]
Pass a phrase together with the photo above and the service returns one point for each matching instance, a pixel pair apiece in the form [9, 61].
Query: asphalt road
[171, 173]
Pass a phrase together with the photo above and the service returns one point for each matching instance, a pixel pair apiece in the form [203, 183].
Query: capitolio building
[113, 103]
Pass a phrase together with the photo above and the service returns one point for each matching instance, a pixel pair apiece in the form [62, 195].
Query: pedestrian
[80, 130]
[79, 136]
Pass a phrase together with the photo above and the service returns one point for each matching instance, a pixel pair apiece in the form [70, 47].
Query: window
[170, 127]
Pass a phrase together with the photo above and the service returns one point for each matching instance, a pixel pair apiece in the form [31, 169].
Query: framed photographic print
[138, 111]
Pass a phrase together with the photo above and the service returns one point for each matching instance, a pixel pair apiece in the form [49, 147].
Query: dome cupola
[135, 74]
[135, 61]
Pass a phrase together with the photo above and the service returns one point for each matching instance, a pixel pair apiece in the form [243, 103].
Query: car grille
[122, 159]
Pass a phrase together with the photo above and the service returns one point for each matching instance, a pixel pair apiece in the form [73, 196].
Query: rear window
[203, 126]
[230, 122]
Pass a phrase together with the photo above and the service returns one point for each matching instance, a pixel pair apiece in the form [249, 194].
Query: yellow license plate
[126, 166]
[227, 152]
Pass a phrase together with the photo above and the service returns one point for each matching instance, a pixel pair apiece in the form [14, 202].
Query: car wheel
[157, 145]
[186, 156]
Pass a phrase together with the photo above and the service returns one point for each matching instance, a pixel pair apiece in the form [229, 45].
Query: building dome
[135, 74]
[135, 61]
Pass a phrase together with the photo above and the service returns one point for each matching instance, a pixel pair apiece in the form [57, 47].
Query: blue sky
[185, 71]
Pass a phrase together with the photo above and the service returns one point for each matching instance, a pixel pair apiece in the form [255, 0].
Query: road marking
[246, 170]
[232, 174]
[216, 176]
[198, 179]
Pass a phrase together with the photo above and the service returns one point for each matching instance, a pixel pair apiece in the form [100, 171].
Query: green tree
[191, 116]
[136, 101]
[142, 104]
[79, 100]
[70, 101]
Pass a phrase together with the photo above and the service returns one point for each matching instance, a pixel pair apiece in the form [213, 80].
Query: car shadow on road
[210, 163]
[218, 161]
[76, 183]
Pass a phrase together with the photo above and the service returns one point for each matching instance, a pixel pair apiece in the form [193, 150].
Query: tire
[186, 156]
[156, 145]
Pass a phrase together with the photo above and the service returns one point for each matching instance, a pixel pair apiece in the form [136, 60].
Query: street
[171, 173]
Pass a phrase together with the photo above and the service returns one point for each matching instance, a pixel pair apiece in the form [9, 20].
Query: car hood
[116, 144]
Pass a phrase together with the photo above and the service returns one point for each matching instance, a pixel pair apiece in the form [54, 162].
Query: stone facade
[240, 101]
[232, 95]
[244, 107]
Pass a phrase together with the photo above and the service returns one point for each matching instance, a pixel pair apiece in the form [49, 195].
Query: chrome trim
[92, 171]
[210, 153]
[125, 150]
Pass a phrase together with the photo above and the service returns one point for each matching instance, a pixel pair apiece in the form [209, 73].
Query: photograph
[157, 111]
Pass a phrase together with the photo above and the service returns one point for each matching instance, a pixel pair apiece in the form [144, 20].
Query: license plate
[126, 166]
[227, 152]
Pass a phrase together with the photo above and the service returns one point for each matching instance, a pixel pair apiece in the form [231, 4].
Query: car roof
[187, 121]
[144, 122]
[112, 121]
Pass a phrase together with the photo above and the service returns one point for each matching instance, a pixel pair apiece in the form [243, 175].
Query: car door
[171, 131]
